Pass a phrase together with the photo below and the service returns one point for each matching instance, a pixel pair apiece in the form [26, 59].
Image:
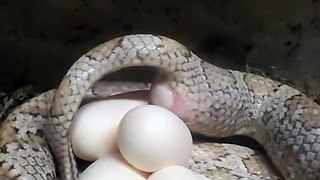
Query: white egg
[111, 166]
[94, 128]
[176, 172]
[151, 138]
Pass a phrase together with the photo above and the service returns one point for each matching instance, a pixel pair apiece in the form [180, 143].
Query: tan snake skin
[217, 102]
[214, 160]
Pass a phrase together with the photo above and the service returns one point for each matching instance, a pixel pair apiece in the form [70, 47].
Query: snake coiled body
[216, 102]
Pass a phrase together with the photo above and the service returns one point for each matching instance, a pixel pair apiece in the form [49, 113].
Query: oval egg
[94, 128]
[111, 166]
[151, 138]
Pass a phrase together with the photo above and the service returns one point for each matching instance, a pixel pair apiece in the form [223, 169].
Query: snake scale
[212, 101]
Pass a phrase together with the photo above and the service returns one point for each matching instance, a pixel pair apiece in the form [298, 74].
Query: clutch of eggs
[129, 140]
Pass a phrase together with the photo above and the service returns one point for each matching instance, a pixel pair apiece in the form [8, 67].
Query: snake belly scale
[217, 102]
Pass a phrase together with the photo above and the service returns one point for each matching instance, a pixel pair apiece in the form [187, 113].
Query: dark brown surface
[39, 40]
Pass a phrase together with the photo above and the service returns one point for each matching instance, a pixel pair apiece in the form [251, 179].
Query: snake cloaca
[215, 102]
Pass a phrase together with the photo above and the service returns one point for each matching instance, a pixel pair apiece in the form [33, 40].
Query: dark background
[40, 39]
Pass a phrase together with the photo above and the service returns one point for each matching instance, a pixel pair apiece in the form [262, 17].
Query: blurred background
[40, 39]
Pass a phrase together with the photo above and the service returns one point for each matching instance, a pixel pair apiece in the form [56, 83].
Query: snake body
[34, 161]
[216, 102]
